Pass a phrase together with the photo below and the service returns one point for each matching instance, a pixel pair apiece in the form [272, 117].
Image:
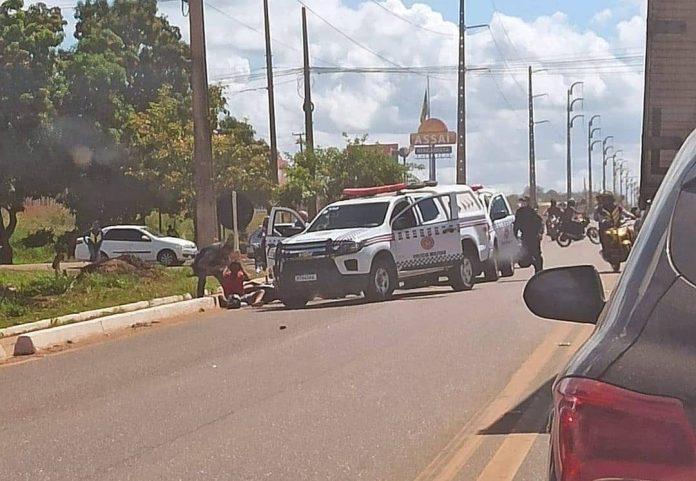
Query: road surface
[433, 386]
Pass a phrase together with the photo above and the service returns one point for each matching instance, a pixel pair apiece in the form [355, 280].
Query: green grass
[41, 295]
[35, 218]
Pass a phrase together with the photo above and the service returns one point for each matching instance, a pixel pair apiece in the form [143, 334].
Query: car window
[400, 206]
[499, 206]
[430, 212]
[684, 232]
[117, 235]
[406, 220]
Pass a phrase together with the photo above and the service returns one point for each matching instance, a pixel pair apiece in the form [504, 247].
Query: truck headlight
[342, 248]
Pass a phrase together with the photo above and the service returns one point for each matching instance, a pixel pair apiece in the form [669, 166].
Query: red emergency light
[476, 187]
[372, 191]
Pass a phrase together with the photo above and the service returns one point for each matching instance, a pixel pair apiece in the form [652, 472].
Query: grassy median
[32, 296]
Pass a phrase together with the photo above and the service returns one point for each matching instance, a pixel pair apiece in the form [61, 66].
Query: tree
[328, 171]
[29, 91]
[161, 144]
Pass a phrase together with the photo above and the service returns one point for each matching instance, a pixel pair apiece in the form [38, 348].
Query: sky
[598, 42]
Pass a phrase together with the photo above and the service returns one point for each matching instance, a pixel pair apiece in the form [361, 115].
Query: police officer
[609, 214]
[94, 238]
[530, 227]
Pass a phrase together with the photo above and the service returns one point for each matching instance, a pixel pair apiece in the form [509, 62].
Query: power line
[410, 22]
[261, 32]
[348, 37]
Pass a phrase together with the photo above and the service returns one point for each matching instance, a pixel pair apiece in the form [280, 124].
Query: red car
[625, 406]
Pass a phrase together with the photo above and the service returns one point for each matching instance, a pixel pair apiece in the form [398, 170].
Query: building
[669, 114]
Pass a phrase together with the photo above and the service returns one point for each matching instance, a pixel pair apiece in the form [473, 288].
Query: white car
[140, 242]
[379, 240]
[503, 220]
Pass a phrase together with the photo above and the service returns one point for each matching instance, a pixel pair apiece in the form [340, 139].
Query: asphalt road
[431, 386]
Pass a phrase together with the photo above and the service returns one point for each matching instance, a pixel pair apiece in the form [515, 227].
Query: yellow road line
[506, 462]
[459, 450]
[509, 457]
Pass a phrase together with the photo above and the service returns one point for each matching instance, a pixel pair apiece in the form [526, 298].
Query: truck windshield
[350, 216]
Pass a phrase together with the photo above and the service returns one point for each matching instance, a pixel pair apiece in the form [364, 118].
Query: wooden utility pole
[271, 96]
[461, 109]
[206, 217]
[308, 107]
[532, 145]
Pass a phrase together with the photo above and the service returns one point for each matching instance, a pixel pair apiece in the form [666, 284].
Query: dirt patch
[122, 265]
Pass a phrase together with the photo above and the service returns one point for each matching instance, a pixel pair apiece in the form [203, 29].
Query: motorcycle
[593, 235]
[566, 238]
[618, 245]
[553, 227]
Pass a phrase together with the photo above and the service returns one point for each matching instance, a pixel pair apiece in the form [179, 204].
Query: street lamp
[590, 145]
[571, 121]
[605, 148]
[613, 169]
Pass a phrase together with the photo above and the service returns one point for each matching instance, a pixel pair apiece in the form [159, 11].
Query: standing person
[530, 227]
[171, 231]
[304, 215]
[94, 239]
[211, 261]
[260, 254]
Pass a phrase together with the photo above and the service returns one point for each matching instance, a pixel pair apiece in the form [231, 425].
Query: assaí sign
[433, 132]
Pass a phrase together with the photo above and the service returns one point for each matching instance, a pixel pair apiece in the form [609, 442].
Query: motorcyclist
[551, 212]
[569, 223]
[609, 214]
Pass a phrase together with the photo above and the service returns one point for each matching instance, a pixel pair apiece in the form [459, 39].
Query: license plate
[305, 278]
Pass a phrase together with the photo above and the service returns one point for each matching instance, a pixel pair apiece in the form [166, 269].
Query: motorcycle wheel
[564, 240]
[593, 235]
[616, 267]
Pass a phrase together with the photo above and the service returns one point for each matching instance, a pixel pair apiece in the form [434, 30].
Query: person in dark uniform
[94, 239]
[529, 226]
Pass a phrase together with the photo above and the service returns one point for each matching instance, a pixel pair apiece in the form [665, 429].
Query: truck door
[283, 223]
[426, 235]
[503, 221]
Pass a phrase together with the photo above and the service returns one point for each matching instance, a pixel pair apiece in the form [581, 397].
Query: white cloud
[603, 17]
[387, 106]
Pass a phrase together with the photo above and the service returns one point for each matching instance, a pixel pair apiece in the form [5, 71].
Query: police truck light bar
[355, 192]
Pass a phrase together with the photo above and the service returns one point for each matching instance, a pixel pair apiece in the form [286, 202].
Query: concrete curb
[32, 342]
[88, 315]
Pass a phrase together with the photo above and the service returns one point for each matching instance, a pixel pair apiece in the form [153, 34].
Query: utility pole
[591, 130]
[206, 217]
[532, 141]
[271, 95]
[571, 121]
[605, 150]
[613, 169]
[300, 140]
[308, 106]
[461, 108]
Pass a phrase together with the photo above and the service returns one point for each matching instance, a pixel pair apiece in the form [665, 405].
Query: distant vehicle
[503, 221]
[140, 242]
[379, 239]
[623, 408]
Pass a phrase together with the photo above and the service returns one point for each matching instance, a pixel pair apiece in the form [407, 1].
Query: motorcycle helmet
[571, 203]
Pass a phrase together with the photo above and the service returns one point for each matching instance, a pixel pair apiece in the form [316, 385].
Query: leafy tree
[29, 89]
[161, 143]
[328, 171]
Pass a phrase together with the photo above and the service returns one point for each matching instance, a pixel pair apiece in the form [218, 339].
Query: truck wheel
[508, 268]
[462, 276]
[383, 280]
[490, 268]
[295, 302]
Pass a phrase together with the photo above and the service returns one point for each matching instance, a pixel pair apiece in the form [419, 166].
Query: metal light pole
[590, 135]
[613, 169]
[605, 148]
[569, 127]
[532, 140]
[461, 105]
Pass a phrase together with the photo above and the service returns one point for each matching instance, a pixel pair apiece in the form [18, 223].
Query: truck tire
[490, 268]
[508, 268]
[294, 302]
[462, 276]
[382, 281]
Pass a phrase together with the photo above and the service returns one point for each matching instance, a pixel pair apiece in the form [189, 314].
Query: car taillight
[605, 432]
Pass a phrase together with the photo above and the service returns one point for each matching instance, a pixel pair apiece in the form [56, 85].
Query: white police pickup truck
[503, 221]
[378, 239]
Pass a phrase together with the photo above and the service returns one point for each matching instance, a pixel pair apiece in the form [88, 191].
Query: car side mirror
[573, 294]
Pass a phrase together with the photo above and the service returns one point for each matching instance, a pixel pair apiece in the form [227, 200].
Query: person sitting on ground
[235, 291]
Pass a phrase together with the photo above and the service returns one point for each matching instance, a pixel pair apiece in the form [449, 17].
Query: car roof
[125, 226]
